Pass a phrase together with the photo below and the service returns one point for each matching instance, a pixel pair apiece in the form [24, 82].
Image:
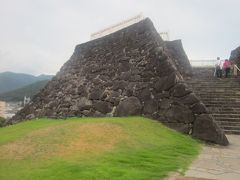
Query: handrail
[203, 62]
[236, 67]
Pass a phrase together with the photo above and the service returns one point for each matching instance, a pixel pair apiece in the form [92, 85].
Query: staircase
[221, 97]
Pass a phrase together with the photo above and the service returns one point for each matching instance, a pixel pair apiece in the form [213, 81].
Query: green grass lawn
[93, 148]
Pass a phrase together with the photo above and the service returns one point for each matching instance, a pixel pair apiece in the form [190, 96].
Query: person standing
[227, 67]
[218, 67]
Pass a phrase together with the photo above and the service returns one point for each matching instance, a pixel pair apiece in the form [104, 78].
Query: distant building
[2, 108]
[26, 100]
[117, 26]
[164, 36]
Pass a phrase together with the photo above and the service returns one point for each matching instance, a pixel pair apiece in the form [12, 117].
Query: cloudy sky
[38, 36]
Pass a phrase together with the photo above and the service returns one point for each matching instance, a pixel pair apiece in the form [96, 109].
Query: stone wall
[180, 59]
[235, 56]
[129, 72]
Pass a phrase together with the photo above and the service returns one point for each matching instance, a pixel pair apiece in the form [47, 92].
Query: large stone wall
[235, 56]
[129, 72]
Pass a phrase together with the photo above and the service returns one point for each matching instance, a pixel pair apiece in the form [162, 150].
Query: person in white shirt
[218, 67]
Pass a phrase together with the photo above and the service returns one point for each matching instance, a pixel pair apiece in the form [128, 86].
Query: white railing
[117, 26]
[203, 63]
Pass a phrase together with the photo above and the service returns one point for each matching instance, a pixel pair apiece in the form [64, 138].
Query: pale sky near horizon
[39, 36]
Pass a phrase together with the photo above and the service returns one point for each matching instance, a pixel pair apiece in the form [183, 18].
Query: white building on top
[26, 100]
[164, 36]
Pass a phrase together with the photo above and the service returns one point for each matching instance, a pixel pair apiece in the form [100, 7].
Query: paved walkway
[217, 162]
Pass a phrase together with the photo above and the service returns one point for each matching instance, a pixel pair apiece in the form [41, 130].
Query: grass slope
[93, 148]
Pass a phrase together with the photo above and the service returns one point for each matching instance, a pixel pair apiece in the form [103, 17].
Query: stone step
[221, 97]
[219, 91]
[225, 112]
[227, 123]
[222, 106]
[226, 86]
[214, 86]
[226, 108]
[225, 103]
[199, 84]
[214, 101]
[220, 111]
[209, 82]
[206, 80]
[215, 94]
[212, 81]
[224, 115]
[227, 119]
[213, 108]
[231, 132]
[217, 97]
[216, 90]
[235, 128]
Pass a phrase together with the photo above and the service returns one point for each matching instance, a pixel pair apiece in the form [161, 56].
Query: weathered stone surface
[179, 57]
[199, 108]
[235, 56]
[103, 107]
[129, 72]
[181, 90]
[83, 103]
[165, 103]
[30, 116]
[96, 94]
[205, 128]
[189, 99]
[181, 127]
[129, 106]
[159, 84]
[180, 114]
[171, 81]
[150, 106]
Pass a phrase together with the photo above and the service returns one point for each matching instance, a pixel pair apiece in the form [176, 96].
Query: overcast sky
[38, 36]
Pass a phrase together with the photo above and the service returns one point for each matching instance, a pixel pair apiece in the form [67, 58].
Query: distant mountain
[10, 81]
[44, 77]
[18, 94]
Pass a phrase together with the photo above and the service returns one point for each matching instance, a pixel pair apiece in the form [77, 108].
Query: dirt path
[217, 162]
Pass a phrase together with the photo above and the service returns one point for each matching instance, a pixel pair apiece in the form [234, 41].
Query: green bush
[2, 121]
